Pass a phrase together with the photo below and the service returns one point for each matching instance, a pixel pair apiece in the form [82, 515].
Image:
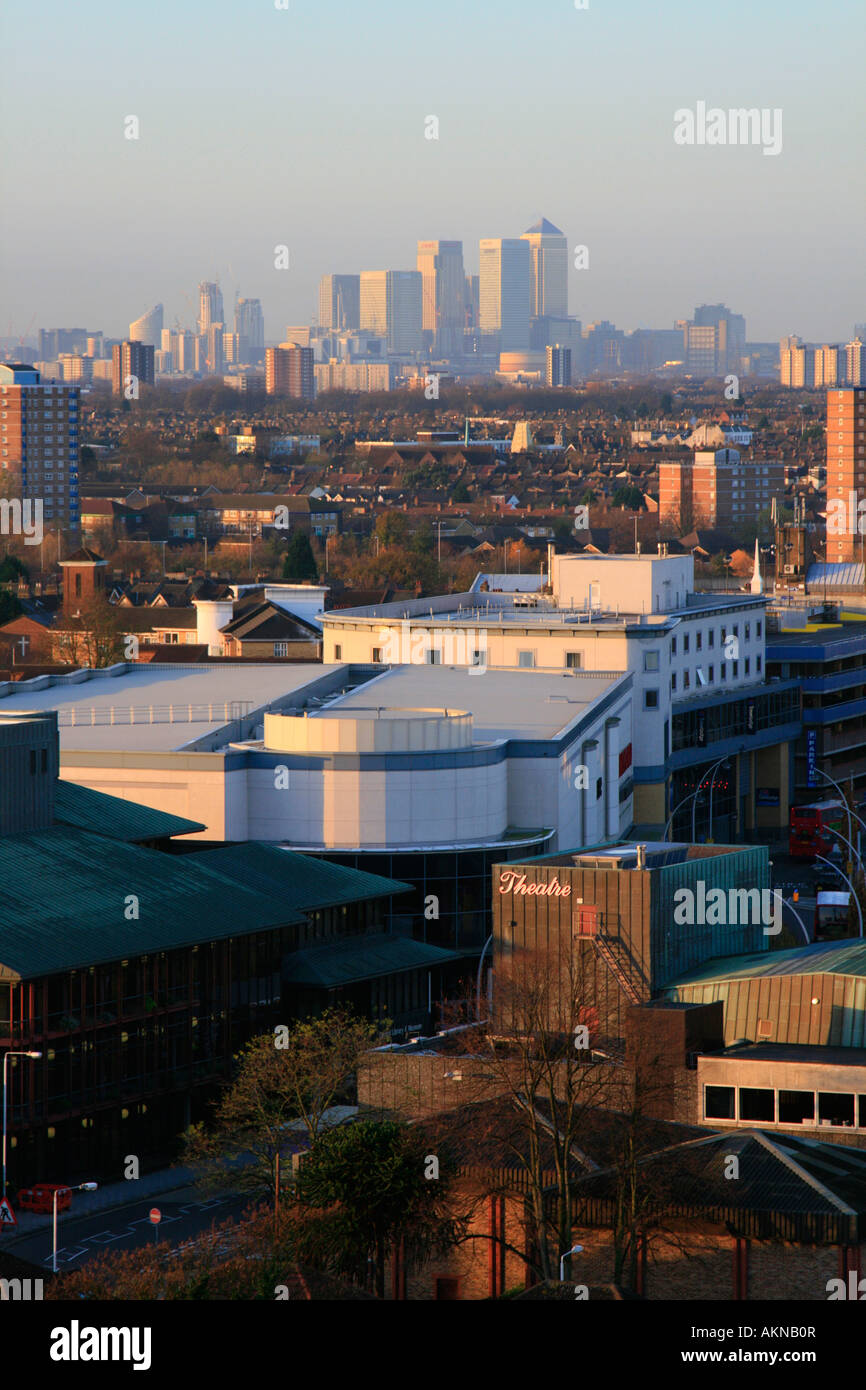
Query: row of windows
[842, 1109]
[709, 678]
[724, 634]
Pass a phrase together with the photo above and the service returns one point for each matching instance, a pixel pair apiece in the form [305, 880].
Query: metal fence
[93, 716]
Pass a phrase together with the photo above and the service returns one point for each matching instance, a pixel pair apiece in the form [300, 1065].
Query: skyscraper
[548, 270]
[131, 367]
[504, 291]
[148, 328]
[391, 308]
[250, 324]
[210, 305]
[289, 372]
[39, 445]
[340, 302]
[440, 264]
[846, 472]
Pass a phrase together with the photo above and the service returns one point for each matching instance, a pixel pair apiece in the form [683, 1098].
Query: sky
[305, 127]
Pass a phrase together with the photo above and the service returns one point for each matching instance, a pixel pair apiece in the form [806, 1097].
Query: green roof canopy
[354, 958]
[113, 817]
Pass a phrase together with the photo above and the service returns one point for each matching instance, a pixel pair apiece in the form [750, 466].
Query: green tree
[300, 562]
[367, 1187]
[12, 569]
[9, 606]
[392, 528]
[630, 497]
[461, 493]
[273, 1086]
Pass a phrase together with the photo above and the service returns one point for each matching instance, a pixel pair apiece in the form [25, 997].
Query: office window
[748, 664]
[796, 1107]
[711, 674]
[338, 652]
[673, 646]
[758, 664]
[673, 682]
[650, 699]
[835, 1108]
[572, 661]
[687, 680]
[685, 643]
[719, 1103]
[736, 666]
[651, 661]
[526, 659]
[699, 641]
[711, 638]
[748, 631]
[758, 629]
[757, 1103]
[434, 657]
[377, 655]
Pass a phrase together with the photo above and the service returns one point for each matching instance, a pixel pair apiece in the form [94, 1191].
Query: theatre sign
[512, 881]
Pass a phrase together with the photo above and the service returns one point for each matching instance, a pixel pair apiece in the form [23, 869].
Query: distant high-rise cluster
[375, 329]
[829, 364]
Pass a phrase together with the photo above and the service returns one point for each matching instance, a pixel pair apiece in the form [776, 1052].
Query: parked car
[40, 1197]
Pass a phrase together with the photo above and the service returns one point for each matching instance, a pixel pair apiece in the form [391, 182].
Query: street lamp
[840, 836]
[836, 869]
[478, 985]
[575, 1250]
[688, 798]
[786, 902]
[5, 1061]
[82, 1187]
[827, 778]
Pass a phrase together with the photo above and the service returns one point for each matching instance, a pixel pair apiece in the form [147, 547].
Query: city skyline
[351, 187]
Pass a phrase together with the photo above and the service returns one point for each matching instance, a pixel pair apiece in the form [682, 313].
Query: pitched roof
[798, 1189]
[353, 958]
[181, 902]
[304, 881]
[86, 809]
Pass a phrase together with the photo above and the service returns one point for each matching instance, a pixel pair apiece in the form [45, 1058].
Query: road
[184, 1215]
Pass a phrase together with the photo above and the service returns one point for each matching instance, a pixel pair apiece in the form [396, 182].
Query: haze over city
[306, 127]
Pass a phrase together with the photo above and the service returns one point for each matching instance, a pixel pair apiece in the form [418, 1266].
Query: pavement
[109, 1196]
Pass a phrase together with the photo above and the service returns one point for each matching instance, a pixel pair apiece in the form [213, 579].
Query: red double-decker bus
[810, 826]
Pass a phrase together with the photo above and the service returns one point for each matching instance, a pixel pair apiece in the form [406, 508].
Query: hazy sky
[305, 126]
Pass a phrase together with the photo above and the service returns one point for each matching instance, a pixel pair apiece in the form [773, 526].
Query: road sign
[155, 1215]
[7, 1215]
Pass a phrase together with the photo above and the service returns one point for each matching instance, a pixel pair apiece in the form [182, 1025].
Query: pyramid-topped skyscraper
[548, 249]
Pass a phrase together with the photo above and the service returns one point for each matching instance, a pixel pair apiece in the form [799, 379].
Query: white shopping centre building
[429, 770]
[446, 735]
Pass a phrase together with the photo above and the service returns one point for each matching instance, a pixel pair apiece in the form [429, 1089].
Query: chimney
[641, 856]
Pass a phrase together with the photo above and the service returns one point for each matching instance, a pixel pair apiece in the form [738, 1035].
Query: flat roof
[499, 608]
[504, 702]
[793, 1052]
[185, 702]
